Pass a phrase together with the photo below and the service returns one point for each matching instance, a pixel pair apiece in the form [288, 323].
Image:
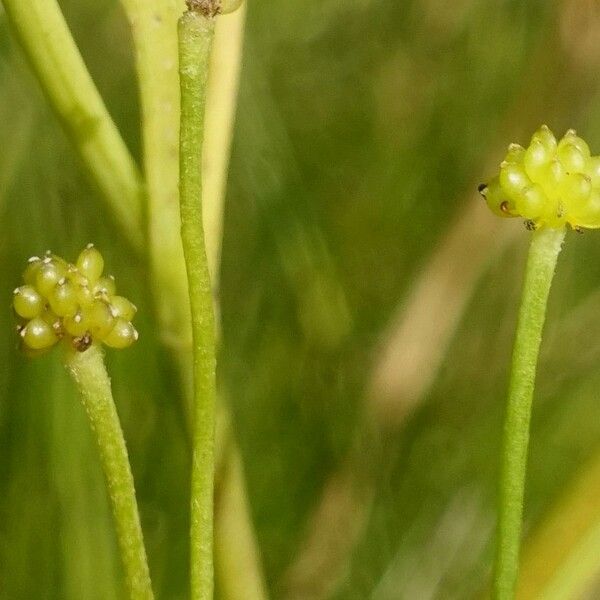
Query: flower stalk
[196, 34]
[543, 254]
[89, 373]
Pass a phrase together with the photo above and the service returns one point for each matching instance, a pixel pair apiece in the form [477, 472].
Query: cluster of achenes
[549, 183]
[72, 302]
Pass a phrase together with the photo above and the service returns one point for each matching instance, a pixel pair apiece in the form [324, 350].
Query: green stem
[45, 37]
[221, 104]
[154, 31]
[543, 254]
[196, 34]
[88, 371]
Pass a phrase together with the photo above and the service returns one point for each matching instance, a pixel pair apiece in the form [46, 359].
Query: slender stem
[543, 254]
[238, 568]
[154, 31]
[221, 104]
[45, 37]
[155, 42]
[88, 371]
[196, 34]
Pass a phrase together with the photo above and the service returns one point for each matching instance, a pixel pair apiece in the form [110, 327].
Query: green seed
[515, 153]
[48, 275]
[537, 157]
[63, 298]
[546, 137]
[588, 215]
[121, 307]
[38, 335]
[571, 157]
[532, 203]
[513, 180]
[33, 266]
[101, 319]
[571, 138]
[90, 263]
[496, 199]
[27, 302]
[122, 335]
[554, 176]
[105, 286]
[77, 324]
[593, 170]
[84, 295]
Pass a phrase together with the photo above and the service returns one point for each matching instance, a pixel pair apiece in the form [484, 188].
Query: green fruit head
[73, 303]
[549, 184]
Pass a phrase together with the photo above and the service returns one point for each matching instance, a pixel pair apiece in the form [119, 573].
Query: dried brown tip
[208, 8]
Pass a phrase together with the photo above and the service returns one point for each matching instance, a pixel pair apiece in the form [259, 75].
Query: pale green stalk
[196, 34]
[45, 37]
[238, 568]
[221, 103]
[89, 373]
[543, 254]
[155, 43]
[154, 30]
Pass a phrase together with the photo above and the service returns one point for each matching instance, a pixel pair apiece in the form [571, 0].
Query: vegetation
[366, 299]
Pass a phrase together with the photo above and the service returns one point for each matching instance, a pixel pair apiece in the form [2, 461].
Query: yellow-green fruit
[532, 202]
[105, 286]
[571, 138]
[553, 178]
[122, 335]
[576, 190]
[537, 158]
[588, 215]
[76, 302]
[50, 317]
[27, 302]
[101, 319]
[38, 335]
[84, 295]
[32, 269]
[513, 180]
[495, 198]
[572, 158]
[546, 137]
[121, 307]
[90, 263]
[549, 183]
[77, 324]
[63, 298]
[515, 153]
[48, 275]
[592, 170]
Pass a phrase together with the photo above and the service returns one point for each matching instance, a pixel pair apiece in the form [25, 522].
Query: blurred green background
[368, 304]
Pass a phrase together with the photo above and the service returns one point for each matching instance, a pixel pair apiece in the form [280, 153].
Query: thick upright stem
[45, 37]
[196, 34]
[543, 254]
[88, 370]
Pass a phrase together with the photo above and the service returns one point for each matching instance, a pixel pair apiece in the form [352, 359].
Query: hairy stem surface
[45, 37]
[89, 373]
[543, 254]
[196, 34]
